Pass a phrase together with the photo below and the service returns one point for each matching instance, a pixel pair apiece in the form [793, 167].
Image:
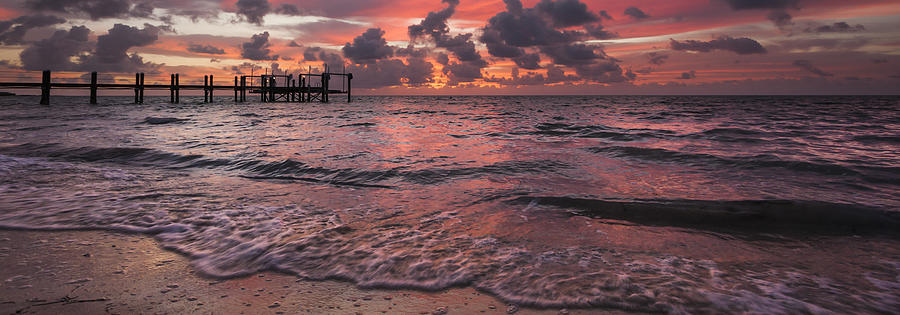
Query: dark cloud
[412, 51]
[596, 31]
[205, 49]
[808, 66]
[245, 68]
[418, 72]
[253, 10]
[879, 61]
[294, 44]
[605, 15]
[780, 17]
[573, 54]
[463, 72]
[514, 32]
[762, 4]
[288, 9]
[636, 13]
[391, 72]
[257, 48]
[741, 46]
[687, 75]
[434, 27]
[95, 9]
[839, 27]
[435, 23]
[528, 61]
[56, 52]
[13, 31]
[327, 57]
[657, 58]
[566, 13]
[111, 53]
[606, 71]
[368, 47]
[519, 80]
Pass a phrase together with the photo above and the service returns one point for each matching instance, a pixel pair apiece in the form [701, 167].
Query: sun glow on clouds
[841, 39]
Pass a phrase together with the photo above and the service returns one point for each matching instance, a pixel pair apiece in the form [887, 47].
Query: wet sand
[91, 272]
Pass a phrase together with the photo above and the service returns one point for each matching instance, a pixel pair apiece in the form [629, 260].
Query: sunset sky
[473, 47]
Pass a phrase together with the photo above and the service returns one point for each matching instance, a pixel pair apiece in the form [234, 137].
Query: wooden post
[45, 88]
[235, 89]
[205, 91]
[272, 85]
[243, 88]
[262, 85]
[177, 90]
[94, 87]
[349, 78]
[172, 88]
[142, 88]
[137, 83]
[210, 88]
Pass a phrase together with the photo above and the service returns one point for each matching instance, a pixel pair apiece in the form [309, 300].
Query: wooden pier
[302, 88]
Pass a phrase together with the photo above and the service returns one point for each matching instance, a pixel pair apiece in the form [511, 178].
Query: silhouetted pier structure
[302, 88]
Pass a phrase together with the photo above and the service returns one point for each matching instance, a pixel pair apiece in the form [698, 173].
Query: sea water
[671, 204]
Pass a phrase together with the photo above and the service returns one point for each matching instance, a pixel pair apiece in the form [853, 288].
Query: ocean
[678, 204]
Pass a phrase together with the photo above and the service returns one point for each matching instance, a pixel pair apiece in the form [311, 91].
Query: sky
[470, 47]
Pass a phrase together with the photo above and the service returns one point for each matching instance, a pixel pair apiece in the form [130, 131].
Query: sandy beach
[92, 272]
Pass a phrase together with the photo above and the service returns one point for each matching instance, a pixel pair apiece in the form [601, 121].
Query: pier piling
[45, 88]
[94, 87]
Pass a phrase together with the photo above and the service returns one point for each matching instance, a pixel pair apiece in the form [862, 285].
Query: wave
[758, 215]
[869, 173]
[286, 170]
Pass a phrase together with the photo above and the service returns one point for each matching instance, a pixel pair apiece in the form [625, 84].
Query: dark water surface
[672, 204]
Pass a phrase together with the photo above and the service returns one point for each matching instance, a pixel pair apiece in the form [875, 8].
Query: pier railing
[305, 87]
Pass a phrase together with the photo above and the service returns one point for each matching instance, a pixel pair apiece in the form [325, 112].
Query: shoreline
[95, 271]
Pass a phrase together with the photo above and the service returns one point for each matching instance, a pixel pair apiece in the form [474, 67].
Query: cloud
[253, 10]
[687, 75]
[761, 4]
[111, 53]
[13, 31]
[327, 57]
[517, 32]
[808, 66]
[391, 72]
[434, 27]
[605, 15]
[257, 48]
[418, 72]
[741, 46]
[566, 13]
[779, 14]
[636, 13]
[528, 61]
[288, 9]
[606, 71]
[368, 47]
[839, 27]
[56, 52]
[205, 49]
[95, 9]
[573, 54]
[657, 58]
[780, 17]
[244, 68]
[294, 44]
